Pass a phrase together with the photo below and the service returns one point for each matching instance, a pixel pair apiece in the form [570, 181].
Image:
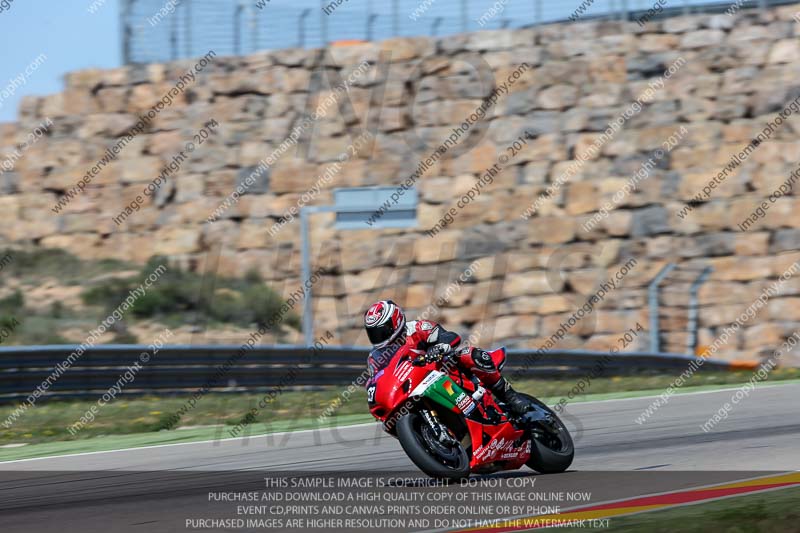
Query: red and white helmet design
[384, 321]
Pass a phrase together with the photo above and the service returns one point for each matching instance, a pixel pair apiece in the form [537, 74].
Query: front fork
[442, 433]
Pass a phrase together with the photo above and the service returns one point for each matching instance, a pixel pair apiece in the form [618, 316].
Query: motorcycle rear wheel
[554, 454]
[433, 458]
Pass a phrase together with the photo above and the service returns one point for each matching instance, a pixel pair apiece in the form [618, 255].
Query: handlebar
[432, 355]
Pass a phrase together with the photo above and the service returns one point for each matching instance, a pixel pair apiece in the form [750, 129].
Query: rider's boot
[516, 402]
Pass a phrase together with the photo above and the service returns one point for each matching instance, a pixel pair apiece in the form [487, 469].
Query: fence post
[691, 343]
[301, 30]
[237, 30]
[253, 28]
[435, 26]
[370, 23]
[652, 296]
[188, 30]
[173, 38]
[305, 269]
[125, 34]
[323, 24]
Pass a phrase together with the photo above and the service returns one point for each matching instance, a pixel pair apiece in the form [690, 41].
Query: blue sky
[65, 32]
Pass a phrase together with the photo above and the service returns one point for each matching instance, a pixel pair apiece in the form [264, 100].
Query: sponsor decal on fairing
[429, 380]
[494, 448]
[465, 404]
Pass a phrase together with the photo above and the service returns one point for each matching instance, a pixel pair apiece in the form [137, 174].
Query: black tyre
[438, 460]
[553, 452]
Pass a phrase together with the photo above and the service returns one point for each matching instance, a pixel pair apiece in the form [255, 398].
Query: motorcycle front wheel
[438, 460]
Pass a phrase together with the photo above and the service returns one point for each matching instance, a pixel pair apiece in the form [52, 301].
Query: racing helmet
[384, 322]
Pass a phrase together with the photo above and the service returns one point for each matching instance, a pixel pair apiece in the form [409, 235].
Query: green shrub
[12, 309]
[57, 310]
[13, 303]
[38, 262]
[189, 297]
[40, 330]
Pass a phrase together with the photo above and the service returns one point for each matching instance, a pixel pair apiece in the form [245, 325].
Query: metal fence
[176, 370]
[162, 30]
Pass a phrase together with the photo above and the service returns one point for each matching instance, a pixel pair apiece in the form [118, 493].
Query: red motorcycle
[450, 426]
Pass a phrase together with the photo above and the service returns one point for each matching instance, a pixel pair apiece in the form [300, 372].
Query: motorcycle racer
[388, 330]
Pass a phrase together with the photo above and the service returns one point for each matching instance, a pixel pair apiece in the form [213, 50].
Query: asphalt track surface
[142, 489]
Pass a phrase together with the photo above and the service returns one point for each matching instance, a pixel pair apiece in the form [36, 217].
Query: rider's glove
[438, 351]
[441, 349]
[434, 354]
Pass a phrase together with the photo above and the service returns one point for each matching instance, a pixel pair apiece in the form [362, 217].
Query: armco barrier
[184, 369]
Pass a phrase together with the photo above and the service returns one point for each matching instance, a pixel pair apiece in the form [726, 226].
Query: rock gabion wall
[587, 160]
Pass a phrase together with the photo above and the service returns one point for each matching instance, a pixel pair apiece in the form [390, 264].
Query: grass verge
[215, 415]
[184, 435]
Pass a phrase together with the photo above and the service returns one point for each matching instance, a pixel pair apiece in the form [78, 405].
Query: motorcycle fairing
[505, 444]
[438, 387]
[505, 447]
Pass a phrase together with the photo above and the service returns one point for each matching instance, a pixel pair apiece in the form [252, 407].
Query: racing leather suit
[420, 335]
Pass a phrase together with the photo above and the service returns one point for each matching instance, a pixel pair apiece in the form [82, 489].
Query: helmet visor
[381, 333]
